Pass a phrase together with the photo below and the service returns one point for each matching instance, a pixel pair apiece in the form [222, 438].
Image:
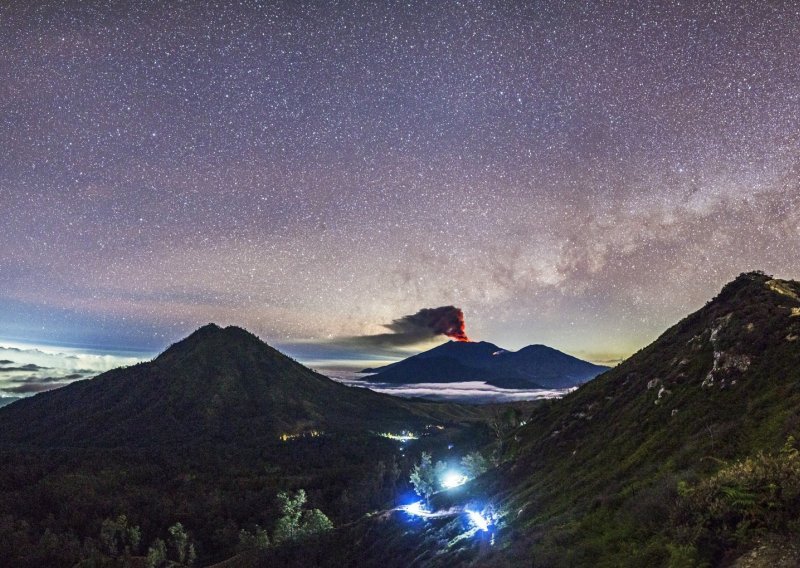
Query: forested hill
[216, 386]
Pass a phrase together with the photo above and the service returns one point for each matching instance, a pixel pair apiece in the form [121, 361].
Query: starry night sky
[576, 175]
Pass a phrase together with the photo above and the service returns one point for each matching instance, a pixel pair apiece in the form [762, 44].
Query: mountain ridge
[533, 366]
[625, 451]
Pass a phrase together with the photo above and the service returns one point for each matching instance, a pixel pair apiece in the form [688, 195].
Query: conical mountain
[450, 362]
[217, 385]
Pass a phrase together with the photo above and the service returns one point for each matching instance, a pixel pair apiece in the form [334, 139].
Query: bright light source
[404, 436]
[417, 509]
[481, 522]
[453, 479]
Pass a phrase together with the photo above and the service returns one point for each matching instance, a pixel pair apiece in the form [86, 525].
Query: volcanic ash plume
[416, 328]
[445, 320]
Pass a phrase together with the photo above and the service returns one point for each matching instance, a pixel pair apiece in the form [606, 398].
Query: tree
[474, 464]
[423, 477]
[180, 547]
[157, 554]
[394, 476]
[295, 522]
[315, 521]
[288, 527]
[118, 538]
[502, 421]
[256, 540]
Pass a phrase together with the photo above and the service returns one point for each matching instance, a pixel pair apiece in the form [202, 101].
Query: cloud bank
[27, 370]
[466, 392]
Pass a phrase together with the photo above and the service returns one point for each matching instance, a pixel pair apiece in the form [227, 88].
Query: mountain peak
[751, 289]
[216, 385]
[212, 330]
[466, 345]
[213, 338]
[752, 279]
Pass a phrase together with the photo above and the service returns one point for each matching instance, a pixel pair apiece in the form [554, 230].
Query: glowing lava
[454, 327]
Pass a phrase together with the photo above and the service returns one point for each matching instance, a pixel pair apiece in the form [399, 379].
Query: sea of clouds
[26, 370]
[468, 391]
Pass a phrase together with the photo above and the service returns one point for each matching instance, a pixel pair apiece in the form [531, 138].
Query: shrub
[758, 495]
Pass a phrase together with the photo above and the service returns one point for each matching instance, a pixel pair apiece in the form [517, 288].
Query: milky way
[570, 174]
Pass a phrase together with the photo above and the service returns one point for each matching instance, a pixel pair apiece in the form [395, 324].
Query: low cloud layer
[467, 392]
[33, 388]
[30, 367]
[36, 369]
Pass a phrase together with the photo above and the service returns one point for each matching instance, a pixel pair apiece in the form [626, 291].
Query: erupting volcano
[447, 320]
[459, 333]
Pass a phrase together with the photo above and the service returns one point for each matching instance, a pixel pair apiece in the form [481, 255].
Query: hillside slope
[596, 474]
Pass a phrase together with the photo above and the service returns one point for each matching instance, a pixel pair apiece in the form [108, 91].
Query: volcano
[535, 366]
[219, 385]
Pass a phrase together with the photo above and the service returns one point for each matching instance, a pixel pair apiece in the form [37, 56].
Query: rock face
[217, 385]
[775, 553]
[535, 366]
[737, 342]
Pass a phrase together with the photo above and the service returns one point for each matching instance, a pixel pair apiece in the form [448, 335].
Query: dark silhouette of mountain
[535, 366]
[217, 385]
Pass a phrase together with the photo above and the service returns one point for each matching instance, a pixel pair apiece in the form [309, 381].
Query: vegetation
[474, 464]
[423, 477]
[296, 523]
[119, 539]
[53, 503]
[754, 497]
[257, 539]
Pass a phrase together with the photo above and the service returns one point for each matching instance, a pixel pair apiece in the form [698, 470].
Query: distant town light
[404, 436]
[286, 437]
